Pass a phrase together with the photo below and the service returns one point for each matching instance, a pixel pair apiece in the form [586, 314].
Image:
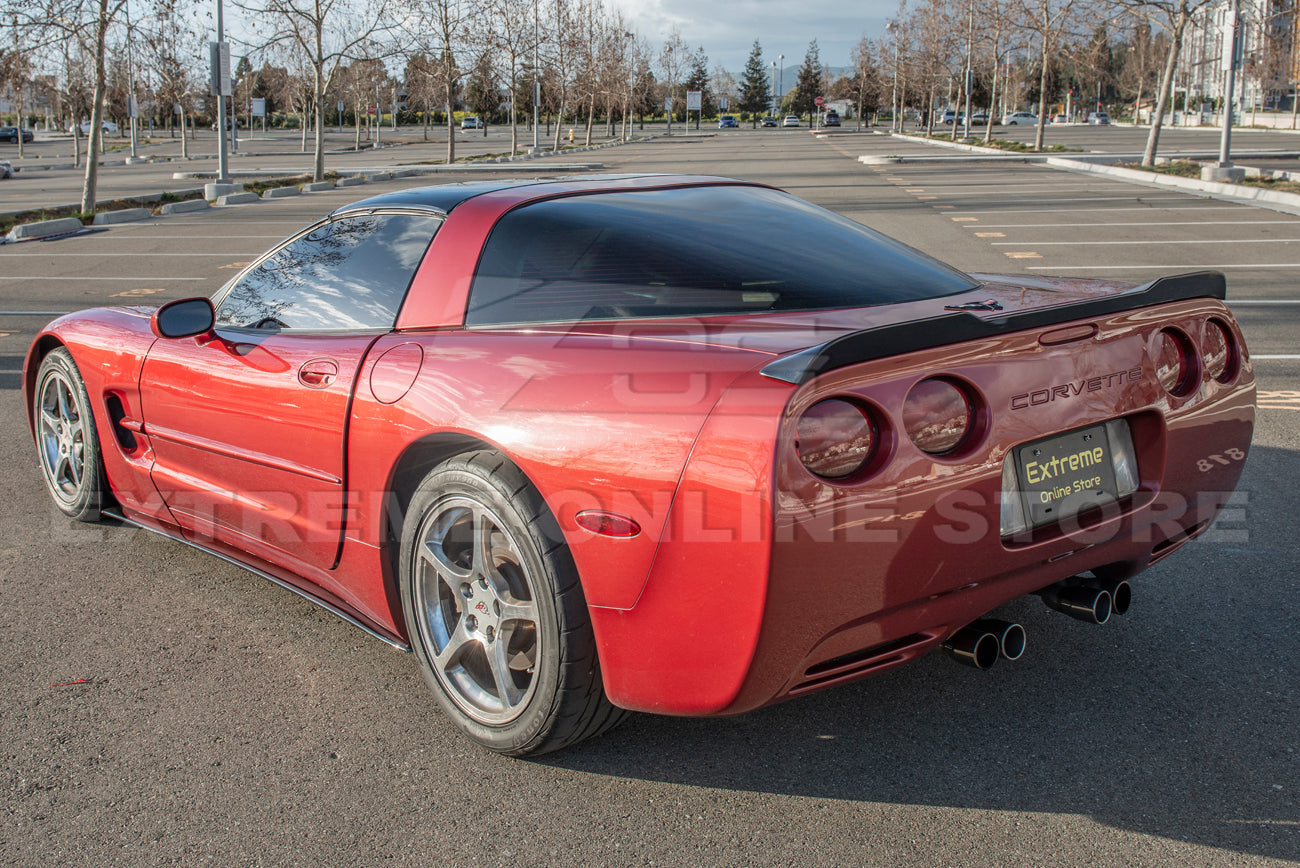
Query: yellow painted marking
[965, 219]
[895, 180]
[1024, 255]
[135, 293]
[914, 190]
[927, 197]
[943, 206]
[235, 265]
[5, 334]
[1283, 400]
[990, 235]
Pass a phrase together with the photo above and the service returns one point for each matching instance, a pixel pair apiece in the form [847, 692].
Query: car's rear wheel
[495, 611]
[66, 438]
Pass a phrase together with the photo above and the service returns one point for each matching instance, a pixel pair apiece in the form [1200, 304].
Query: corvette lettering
[1074, 389]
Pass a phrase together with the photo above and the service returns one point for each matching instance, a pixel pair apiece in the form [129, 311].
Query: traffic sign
[820, 100]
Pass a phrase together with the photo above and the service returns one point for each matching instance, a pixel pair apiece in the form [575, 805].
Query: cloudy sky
[727, 28]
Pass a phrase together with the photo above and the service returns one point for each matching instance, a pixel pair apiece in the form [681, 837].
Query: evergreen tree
[755, 87]
[809, 84]
[699, 80]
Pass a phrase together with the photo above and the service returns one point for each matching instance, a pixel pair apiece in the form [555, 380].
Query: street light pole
[132, 108]
[781, 86]
[1230, 70]
[773, 103]
[223, 155]
[894, 126]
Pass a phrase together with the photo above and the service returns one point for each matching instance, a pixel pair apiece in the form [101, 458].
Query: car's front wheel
[65, 435]
[495, 612]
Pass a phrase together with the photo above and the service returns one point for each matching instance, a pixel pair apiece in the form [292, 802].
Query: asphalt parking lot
[159, 706]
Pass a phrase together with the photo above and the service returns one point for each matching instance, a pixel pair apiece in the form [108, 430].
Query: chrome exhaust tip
[974, 647]
[1092, 605]
[1121, 596]
[1010, 636]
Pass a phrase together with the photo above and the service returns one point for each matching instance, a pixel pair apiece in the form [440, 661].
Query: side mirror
[184, 318]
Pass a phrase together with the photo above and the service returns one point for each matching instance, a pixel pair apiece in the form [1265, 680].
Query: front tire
[66, 438]
[495, 611]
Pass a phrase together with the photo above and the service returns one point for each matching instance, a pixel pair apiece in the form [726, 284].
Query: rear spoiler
[923, 334]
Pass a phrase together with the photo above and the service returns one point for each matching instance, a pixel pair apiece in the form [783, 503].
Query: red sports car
[592, 445]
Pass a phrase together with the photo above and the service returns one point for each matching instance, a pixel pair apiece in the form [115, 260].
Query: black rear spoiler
[923, 334]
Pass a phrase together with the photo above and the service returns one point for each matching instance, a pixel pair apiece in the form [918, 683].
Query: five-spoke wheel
[495, 611]
[65, 437]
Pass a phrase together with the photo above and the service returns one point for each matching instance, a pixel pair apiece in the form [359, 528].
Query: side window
[350, 273]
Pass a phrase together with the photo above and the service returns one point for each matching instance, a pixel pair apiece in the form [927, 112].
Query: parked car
[591, 445]
[831, 119]
[727, 121]
[1098, 118]
[790, 121]
[1020, 119]
[471, 123]
[6, 169]
[768, 121]
[239, 124]
[949, 117]
[979, 119]
[11, 134]
[106, 126]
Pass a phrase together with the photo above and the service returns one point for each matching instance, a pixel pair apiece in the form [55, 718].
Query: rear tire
[495, 611]
[66, 438]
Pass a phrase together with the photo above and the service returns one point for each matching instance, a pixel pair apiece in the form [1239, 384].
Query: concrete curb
[280, 192]
[1272, 199]
[237, 199]
[354, 181]
[45, 228]
[956, 146]
[186, 206]
[126, 215]
[318, 186]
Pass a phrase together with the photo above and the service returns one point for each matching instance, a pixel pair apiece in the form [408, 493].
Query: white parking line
[60, 253]
[1056, 200]
[1114, 243]
[1184, 267]
[1108, 225]
[135, 237]
[1146, 208]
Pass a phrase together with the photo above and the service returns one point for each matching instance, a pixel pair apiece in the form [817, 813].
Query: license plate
[1063, 475]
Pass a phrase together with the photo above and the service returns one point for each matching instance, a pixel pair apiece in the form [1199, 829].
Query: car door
[249, 427]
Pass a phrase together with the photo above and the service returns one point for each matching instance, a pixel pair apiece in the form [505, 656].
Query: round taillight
[836, 438]
[1174, 368]
[937, 416]
[1216, 352]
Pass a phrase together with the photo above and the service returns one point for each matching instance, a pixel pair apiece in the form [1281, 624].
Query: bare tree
[1175, 15]
[87, 22]
[326, 33]
[673, 62]
[1047, 21]
[445, 30]
[516, 37]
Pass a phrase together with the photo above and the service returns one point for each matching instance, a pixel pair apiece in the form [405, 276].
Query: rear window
[699, 251]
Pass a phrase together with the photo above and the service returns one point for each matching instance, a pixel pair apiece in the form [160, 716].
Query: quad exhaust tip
[1090, 600]
[980, 643]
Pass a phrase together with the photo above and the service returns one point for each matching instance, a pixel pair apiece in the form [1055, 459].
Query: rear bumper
[849, 579]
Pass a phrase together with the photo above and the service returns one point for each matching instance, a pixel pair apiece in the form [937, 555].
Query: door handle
[318, 373]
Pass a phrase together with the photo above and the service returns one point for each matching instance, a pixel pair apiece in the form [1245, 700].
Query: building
[1269, 67]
